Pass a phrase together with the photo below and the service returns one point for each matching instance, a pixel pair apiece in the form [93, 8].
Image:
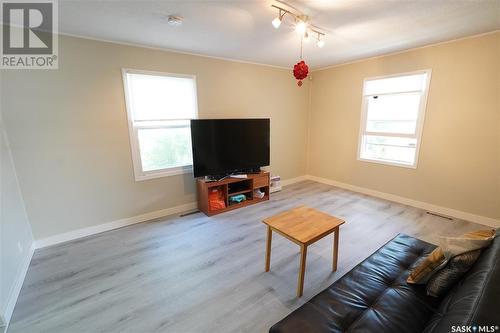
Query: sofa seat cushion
[372, 297]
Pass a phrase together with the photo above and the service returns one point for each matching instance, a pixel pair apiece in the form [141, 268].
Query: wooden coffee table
[304, 226]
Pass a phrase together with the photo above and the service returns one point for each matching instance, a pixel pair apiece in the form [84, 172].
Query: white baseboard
[79, 233]
[12, 300]
[410, 202]
[291, 181]
[72, 235]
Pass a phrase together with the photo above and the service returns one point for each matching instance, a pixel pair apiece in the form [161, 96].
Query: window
[392, 118]
[159, 109]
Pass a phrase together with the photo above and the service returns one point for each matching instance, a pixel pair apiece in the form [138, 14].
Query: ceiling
[242, 30]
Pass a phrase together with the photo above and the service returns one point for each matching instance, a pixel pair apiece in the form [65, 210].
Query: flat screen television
[224, 146]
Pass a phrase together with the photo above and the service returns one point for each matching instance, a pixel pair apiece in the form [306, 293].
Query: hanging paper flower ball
[300, 71]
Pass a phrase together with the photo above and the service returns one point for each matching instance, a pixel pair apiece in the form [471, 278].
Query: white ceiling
[242, 30]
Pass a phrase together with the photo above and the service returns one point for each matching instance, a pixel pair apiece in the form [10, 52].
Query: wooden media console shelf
[232, 186]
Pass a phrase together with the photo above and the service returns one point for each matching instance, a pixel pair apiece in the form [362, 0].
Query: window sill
[164, 173]
[401, 165]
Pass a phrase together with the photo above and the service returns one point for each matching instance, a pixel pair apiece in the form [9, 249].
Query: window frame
[133, 128]
[420, 118]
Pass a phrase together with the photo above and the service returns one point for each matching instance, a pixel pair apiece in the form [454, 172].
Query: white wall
[69, 134]
[70, 143]
[15, 232]
[459, 162]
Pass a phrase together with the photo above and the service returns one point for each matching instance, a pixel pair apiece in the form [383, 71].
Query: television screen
[222, 146]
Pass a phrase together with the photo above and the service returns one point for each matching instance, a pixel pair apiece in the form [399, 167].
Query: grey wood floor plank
[206, 274]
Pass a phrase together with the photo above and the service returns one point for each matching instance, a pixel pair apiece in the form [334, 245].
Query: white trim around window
[159, 123]
[415, 136]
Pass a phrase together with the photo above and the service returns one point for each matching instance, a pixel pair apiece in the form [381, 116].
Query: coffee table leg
[268, 248]
[335, 248]
[302, 270]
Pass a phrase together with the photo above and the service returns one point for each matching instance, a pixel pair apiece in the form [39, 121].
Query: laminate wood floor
[206, 274]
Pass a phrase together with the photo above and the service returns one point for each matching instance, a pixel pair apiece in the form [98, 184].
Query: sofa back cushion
[449, 247]
[475, 300]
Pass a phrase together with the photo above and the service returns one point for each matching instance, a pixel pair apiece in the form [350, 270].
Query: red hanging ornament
[300, 71]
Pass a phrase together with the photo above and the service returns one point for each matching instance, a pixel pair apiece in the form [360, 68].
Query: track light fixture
[277, 21]
[321, 42]
[302, 25]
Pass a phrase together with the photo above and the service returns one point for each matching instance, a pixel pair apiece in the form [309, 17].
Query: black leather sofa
[374, 297]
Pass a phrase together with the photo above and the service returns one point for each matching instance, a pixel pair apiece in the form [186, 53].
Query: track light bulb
[301, 27]
[277, 22]
[321, 43]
